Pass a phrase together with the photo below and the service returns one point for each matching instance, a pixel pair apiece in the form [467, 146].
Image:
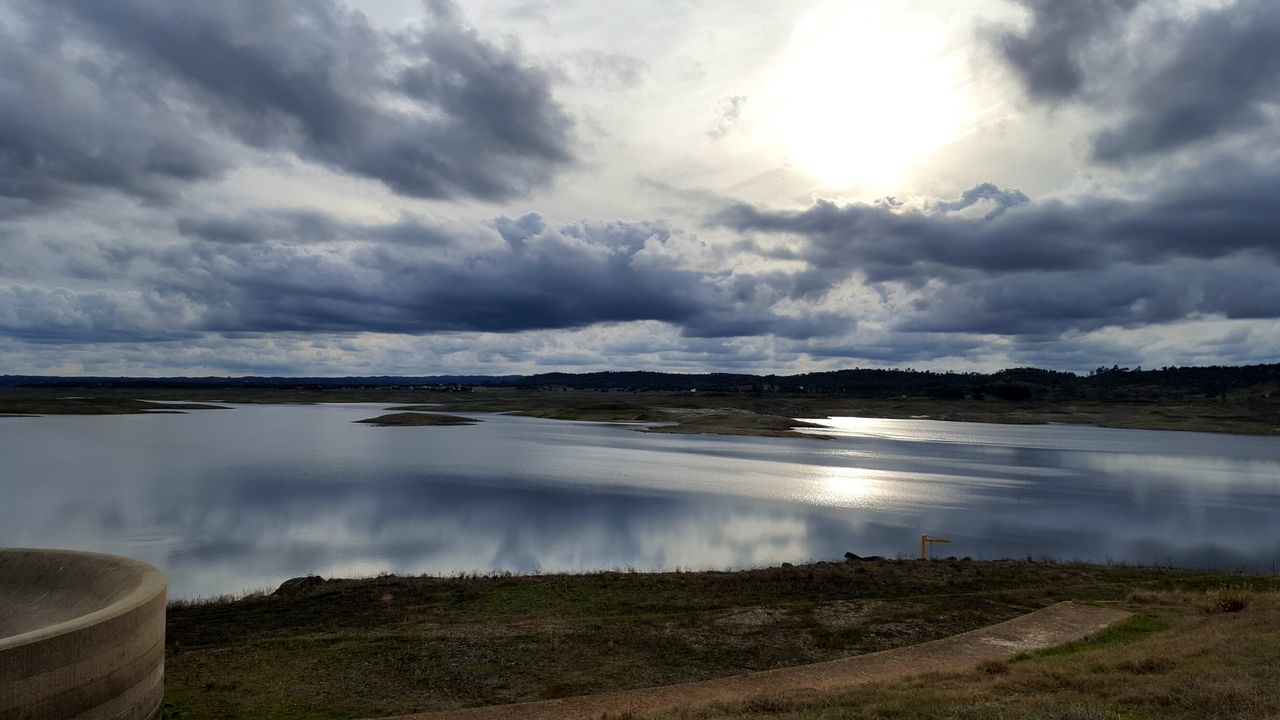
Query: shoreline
[672, 412]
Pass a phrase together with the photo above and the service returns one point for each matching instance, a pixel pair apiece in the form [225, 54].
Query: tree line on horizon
[1248, 382]
[1254, 382]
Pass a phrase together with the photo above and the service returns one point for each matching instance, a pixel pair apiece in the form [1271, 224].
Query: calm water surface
[227, 500]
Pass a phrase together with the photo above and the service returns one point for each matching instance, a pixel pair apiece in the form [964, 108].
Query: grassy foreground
[1173, 660]
[380, 646]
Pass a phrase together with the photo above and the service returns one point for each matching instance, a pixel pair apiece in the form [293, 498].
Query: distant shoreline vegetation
[1115, 383]
[1241, 400]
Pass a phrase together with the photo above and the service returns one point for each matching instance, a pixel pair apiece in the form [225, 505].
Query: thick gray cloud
[142, 95]
[1125, 295]
[1193, 248]
[301, 104]
[310, 227]
[550, 280]
[1047, 55]
[1223, 75]
[58, 315]
[69, 123]
[999, 200]
[1172, 81]
[306, 272]
[1046, 306]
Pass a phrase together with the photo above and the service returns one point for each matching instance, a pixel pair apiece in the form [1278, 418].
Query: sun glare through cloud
[867, 91]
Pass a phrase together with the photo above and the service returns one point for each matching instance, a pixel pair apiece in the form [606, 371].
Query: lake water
[229, 500]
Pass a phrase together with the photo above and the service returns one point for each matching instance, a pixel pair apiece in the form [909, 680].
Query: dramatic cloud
[1047, 54]
[1223, 74]
[62, 315]
[1046, 268]
[987, 196]
[418, 187]
[140, 94]
[68, 122]
[1127, 295]
[1177, 77]
[308, 272]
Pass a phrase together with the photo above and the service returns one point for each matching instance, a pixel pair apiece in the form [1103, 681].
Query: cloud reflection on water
[230, 500]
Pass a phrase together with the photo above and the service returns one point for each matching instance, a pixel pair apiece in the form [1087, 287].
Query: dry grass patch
[1227, 600]
[388, 645]
[1196, 666]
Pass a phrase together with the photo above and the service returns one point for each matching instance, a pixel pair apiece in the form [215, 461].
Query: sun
[866, 91]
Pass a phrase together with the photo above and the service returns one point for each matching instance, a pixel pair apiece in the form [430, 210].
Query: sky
[396, 187]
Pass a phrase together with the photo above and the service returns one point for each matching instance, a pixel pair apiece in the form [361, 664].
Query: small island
[739, 423]
[415, 419]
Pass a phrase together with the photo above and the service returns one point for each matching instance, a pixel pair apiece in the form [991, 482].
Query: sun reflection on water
[851, 487]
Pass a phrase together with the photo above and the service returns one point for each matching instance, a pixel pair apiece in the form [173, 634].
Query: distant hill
[1248, 382]
[1115, 383]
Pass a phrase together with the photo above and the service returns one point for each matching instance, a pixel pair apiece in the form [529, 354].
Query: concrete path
[1054, 625]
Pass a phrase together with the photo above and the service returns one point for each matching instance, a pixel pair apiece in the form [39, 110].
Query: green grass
[1121, 633]
[1172, 662]
[359, 648]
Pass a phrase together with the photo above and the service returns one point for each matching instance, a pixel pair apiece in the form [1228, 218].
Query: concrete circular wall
[81, 636]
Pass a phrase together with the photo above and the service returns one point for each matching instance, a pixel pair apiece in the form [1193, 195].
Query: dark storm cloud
[900, 347]
[887, 245]
[307, 227]
[1046, 305]
[260, 227]
[311, 273]
[1049, 304]
[1186, 77]
[69, 123]
[741, 322]
[1202, 247]
[1047, 54]
[1211, 215]
[140, 95]
[552, 280]
[1223, 75]
[538, 278]
[516, 231]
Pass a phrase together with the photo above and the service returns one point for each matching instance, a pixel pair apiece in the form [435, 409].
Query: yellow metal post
[924, 544]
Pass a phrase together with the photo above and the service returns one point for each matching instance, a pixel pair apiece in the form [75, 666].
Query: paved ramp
[1054, 625]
